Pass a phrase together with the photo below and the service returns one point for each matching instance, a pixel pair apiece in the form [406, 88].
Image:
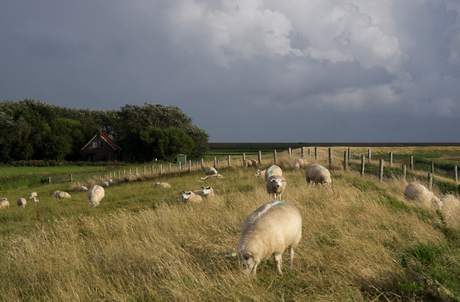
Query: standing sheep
[189, 197]
[161, 185]
[420, 193]
[273, 170]
[210, 171]
[32, 195]
[95, 195]
[62, 195]
[267, 231]
[319, 175]
[4, 203]
[260, 173]
[276, 185]
[22, 202]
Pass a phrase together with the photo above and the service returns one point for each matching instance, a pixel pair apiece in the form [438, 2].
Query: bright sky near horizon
[247, 70]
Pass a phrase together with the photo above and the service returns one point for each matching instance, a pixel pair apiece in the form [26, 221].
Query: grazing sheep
[55, 193]
[260, 173]
[95, 195]
[319, 175]
[33, 194]
[420, 193]
[276, 185]
[83, 188]
[162, 185]
[22, 202]
[273, 170]
[450, 204]
[4, 203]
[267, 231]
[189, 197]
[250, 162]
[210, 171]
[301, 163]
[218, 176]
[62, 195]
[105, 184]
[205, 192]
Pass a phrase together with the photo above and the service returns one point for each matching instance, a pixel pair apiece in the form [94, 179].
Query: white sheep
[95, 195]
[273, 170]
[205, 192]
[210, 171]
[32, 195]
[250, 162]
[301, 163]
[83, 188]
[189, 197]
[319, 175]
[55, 193]
[162, 185]
[62, 195]
[22, 202]
[132, 177]
[105, 184]
[110, 181]
[4, 203]
[420, 193]
[276, 185]
[450, 204]
[260, 173]
[218, 176]
[34, 199]
[267, 231]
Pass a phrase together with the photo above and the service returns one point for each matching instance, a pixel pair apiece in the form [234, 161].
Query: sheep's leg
[254, 269]
[278, 262]
[291, 257]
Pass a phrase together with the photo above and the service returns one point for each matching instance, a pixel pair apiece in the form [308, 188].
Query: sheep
[33, 194]
[276, 185]
[34, 199]
[22, 202]
[83, 188]
[218, 176]
[62, 195]
[273, 170]
[105, 184]
[210, 171]
[267, 231]
[4, 203]
[205, 192]
[95, 195]
[132, 177]
[301, 163]
[55, 193]
[161, 185]
[189, 197]
[420, 193]
[250, 162]
[319, 175]
[260, 173]
[110, 181]
[450, 204]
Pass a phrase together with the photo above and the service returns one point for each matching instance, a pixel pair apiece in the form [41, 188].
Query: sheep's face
[246, 262]
[277, 182]
[186, 195]
[206, 190]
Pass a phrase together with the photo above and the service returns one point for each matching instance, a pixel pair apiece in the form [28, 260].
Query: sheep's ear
[231, 255]
[183, 191]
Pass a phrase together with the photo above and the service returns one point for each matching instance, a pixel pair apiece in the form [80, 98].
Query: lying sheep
[22, 202]
[95, 195]
[4, 203]
[273, 170]
[301, 163]
[210, 171]
[267, 231]
[276, 185]
[260, 173]
[83, 188]
[54, 193]
[162, 185]
[132, 177]
[62, 195]
[250, 162]
[110, 181]
[319, 175]
[205, 192]
[420, 193]
[450, 204]
[32, 195]
[218, 176]
[105, 184]
[189, 197]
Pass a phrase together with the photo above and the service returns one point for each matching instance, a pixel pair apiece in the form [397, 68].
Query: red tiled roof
[110, 141]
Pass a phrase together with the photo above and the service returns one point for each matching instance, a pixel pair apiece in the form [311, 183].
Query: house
[101, 147]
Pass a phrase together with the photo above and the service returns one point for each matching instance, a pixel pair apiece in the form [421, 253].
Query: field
[361, 242]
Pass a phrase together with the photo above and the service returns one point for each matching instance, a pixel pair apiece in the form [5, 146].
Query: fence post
[345, 161]
[260, 157]
[369, 156]
[274, 156]
[430, 181]
[110, 175]
[290, 152]
[215, 162]
[391, 158]
[330, 158]
[316, 153]
[180, 166]
[349, 153]
[49, 178]
[432, 167]
[302, 151]
[411, 163]
[229, 160]
[124, 173]
[404, 171]
[202, 164]
[190, 166]
[161, 169]
[70, 177]
[381, 170]
[362, 164]
[455, 174]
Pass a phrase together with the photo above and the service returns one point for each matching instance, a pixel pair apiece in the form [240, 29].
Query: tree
[178, 142]
[155, 140]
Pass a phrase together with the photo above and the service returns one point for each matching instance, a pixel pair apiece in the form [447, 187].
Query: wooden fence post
[411, 163]
[215, 162]
[180, 166]
[404, 171]
[124, 173]
[316, 153]
[190, 166]
[381, 170]
[349, 153]
[161, 169]
[362, 164]
[330, 158]
[70, 177]
[302, 151]
[290, 152]
[369, 155]
[455, 174]
[345, 160]
[202, 164]
[432, 167]
[244, 159]
[260, 157]
[229, 160]
[430, 181]
[274, 156]
[391, 158]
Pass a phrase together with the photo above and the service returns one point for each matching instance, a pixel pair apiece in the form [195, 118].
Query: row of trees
[34, 130]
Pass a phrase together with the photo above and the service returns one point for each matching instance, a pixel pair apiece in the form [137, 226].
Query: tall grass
[363, 243]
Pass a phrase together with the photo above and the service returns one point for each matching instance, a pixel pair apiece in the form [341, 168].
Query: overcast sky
[247, 70]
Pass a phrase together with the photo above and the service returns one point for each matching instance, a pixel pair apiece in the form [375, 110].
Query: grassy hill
[364, 242]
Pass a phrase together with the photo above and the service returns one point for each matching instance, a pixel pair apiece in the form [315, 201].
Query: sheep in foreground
[62, 195]
[218, 176]
[105, 184]
[250, 162]
[205, 192]
[189, 197]
[276, 185]
[301, 163]
[164, 185]
[267, 231]
[450, 204]
[95, 195]
[420, 193]
[273, 170]
[319, 175]
[4, 203]
[83, 188]
[260, 173]
[22, 202]
[210, 171]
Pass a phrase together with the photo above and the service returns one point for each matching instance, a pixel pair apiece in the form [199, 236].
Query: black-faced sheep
[189, 197]
[421, 194]
[319, 175]
[210, 171]
[267, 231]
[95, 195]
[163, 185]
[276, 185]
[273, 170]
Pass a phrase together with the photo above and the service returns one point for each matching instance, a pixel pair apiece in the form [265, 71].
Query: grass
[363, 243]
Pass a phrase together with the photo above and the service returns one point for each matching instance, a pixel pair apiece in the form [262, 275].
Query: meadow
[361, 242]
